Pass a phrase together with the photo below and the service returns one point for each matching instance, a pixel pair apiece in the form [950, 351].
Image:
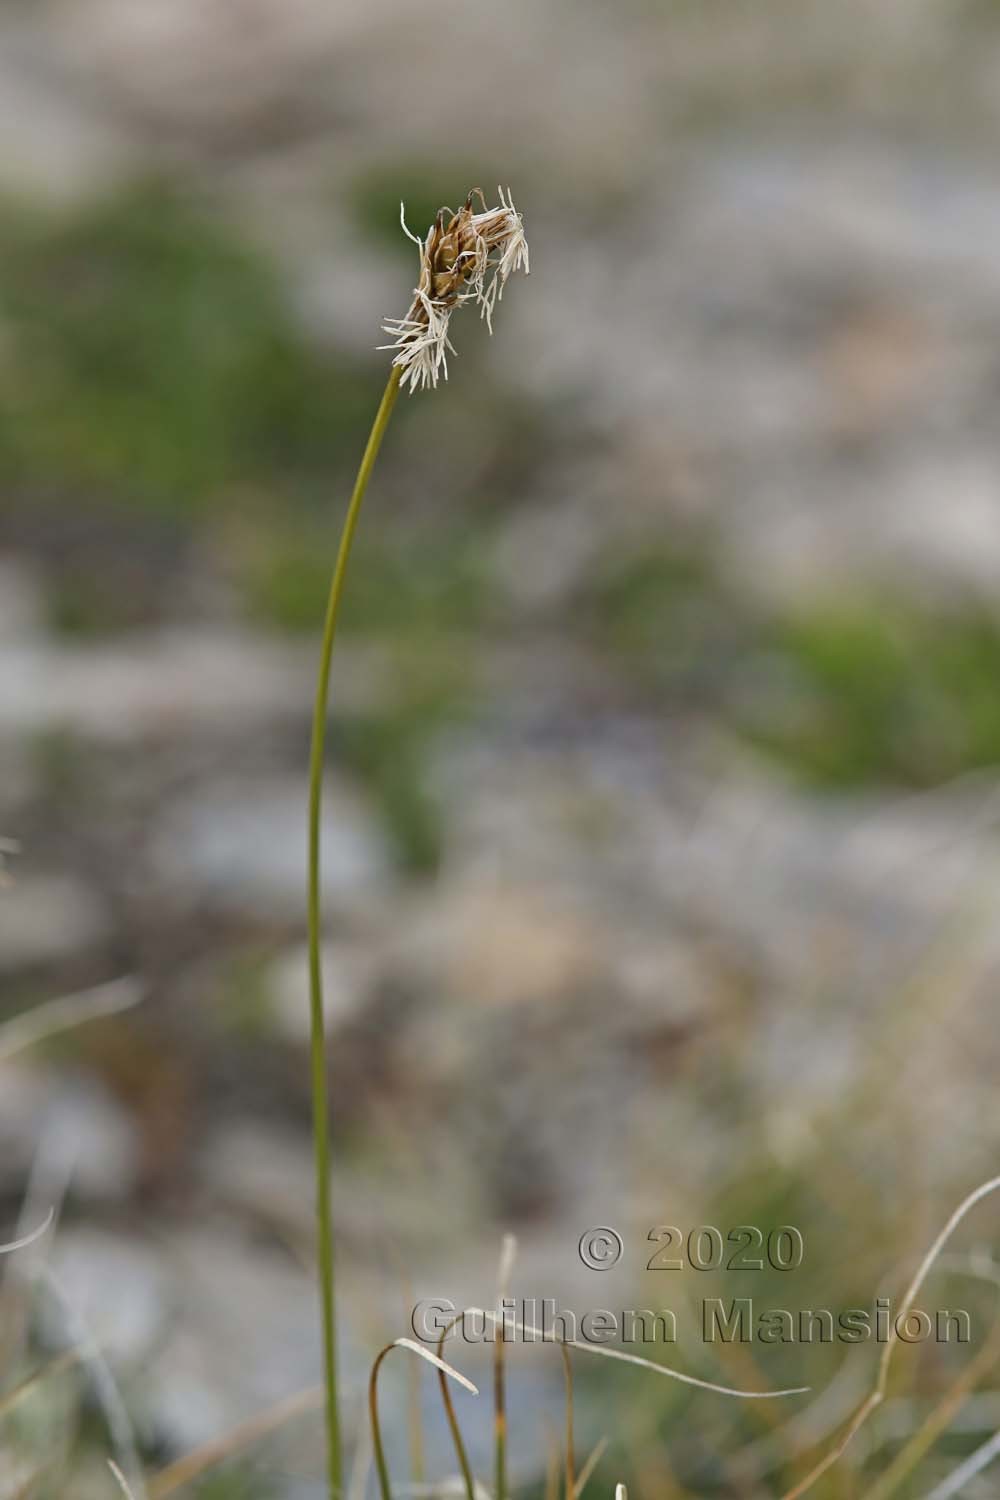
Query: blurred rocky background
[663, 809]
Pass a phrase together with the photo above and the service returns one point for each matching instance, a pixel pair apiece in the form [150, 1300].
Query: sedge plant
[466, 256]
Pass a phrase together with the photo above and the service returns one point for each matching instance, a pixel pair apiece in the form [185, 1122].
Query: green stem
[381, 1467]
[449, 1406]
[321, 1134]
[499, 1415]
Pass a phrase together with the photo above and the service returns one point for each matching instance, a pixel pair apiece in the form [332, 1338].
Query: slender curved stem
[378, 1448]
[572, 1485]
[381, 1467]
[321, 1134]
[570, 1462]
[449, 1407]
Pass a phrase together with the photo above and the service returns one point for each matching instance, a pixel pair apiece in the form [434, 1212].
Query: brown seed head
[466, 256]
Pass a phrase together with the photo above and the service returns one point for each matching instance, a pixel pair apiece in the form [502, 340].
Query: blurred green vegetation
[431, 584]
[149, 357]
[242, 1481]
[415, 599]
[159, 398]
[242, 998]
[423, 186]
[882, 691]
[658, 610]
[67, 767]
[81, 604]
[390, 752]
[152, 368]
[842, 693]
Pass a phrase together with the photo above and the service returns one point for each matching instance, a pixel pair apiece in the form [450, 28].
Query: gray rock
[55, 142]
[46, 918]
[264, 1172]
[243, 1334]
[115, 1285]
[67, 1129]
[241, 845]
[166, 683]
[349, 969]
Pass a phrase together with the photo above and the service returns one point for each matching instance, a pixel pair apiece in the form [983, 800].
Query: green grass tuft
[883, 694]
[150, 357]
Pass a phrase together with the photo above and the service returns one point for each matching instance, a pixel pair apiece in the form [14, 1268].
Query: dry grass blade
[30, 1486]
[418, 1465]
[929, 1431]
[552, 1467]
[508, 1255]
[29, 1239]
[122, 1481]
[12, 1398]
[500, 1417]
[357, 1483]
[571, 1486]
[877, 1394]
[593, 1459]
[106, 1390]
[449, 1411]
[810, 1426]
[193, 1465]
[974, 1464]
[66, 1012]
[574, 1488]
[443, 1368]
[636, 1359]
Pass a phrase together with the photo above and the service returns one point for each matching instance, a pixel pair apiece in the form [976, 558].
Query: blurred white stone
[44, 918]
[24, 1098]
[115, 1285]
[55, 142]
[267, 1172]
[67, 1130]
[241, 845]
[348, 971]
[168, 682]
[490, 944]
[243, 1333]
[198, 67]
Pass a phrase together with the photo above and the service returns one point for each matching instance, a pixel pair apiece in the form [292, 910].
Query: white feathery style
[466, 257]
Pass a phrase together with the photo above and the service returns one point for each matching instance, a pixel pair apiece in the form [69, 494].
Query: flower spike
[466, 257]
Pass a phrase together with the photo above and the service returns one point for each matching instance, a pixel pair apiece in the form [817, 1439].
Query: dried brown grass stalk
[877, 1393]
